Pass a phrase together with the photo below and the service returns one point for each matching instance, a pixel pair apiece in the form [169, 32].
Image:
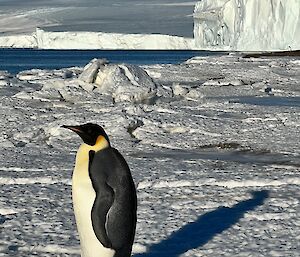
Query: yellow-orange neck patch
[83, 151]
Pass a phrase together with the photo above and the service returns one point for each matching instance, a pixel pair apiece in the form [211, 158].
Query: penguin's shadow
[199, 232]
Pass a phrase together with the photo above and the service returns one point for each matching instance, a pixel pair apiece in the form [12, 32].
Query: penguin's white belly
[83, 199]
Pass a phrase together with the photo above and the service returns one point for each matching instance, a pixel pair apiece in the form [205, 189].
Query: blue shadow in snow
[198, 233]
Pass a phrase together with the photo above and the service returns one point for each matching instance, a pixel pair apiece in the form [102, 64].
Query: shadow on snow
[198, 233]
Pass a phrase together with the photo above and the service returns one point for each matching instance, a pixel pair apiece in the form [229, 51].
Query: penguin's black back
[114, 210]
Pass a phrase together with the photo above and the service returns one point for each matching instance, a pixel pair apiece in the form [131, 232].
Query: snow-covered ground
[213, 145]
[247, 25]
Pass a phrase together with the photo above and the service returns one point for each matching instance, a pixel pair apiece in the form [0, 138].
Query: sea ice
[215, 159]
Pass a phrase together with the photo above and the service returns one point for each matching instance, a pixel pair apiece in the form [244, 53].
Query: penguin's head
[89, 132]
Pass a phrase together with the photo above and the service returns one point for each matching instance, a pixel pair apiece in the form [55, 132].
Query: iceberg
[247, 25]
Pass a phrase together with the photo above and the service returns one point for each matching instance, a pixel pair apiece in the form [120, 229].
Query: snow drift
[247, 25]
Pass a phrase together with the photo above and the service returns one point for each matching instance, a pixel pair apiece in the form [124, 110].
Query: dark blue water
[15, 60]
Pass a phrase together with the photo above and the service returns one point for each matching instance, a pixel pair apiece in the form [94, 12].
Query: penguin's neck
[84, 149]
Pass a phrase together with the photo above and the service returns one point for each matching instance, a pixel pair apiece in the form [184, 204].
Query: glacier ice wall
[96, 40]
[18, 41]
[247, 25]
[100, 40]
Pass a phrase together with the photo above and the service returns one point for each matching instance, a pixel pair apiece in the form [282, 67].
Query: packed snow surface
[96, 40]
[247, 25]
[213, 146]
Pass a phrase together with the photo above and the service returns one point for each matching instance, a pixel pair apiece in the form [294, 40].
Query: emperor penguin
[104, 196]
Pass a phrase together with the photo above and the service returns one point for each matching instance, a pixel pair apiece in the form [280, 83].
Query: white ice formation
[124, 82]
[18, 41]
[247, 25]
[99, 40]
[118, 82]
[96, 40]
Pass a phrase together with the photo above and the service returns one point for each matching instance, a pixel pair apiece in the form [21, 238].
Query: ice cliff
[99, 40]
[96, 40]
[247, 25]
[18, 41]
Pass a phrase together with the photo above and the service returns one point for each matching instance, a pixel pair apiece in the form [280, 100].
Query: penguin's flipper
[114, 210]
[101, 206]
[121, 220]
[103, 202]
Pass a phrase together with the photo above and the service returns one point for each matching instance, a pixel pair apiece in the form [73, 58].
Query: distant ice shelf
[247, 25]
[96, 40]
[18, 41]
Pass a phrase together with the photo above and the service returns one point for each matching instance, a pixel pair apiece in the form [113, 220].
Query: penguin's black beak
[82, 132]
[76, 129]
[88, 132]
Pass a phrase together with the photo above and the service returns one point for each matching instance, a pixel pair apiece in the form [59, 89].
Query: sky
[173, 17]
